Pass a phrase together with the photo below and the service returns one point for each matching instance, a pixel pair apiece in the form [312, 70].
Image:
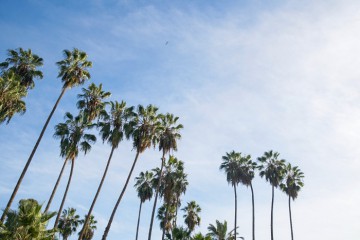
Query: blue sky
[249, 76]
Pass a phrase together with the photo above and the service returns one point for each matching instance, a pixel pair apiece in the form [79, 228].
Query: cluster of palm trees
[240, 168]
[115, 122]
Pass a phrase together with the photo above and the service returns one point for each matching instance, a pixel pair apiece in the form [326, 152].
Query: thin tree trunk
[65, 194]
[176, 212]
[55, 187]
[272, 208]
[138, 222]
[156, 195]
[291, 227]
[30, 158]
[235, 210]
[253, 211]
[96, 195]
[107, 229]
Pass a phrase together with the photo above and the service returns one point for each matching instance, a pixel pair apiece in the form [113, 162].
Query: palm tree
[165, 214]
[68, 222]
[91, 101]
[73, 72]
[219, 232]
[27, 223]
[191, 216]
[231, 166]
[168, 136]
[112, 130]
[11, 94]
[90, 228]
[179, 233]
[24, 64]
[293, 183]
[72, 136]
[247, 169]
[199, 236]
[143, 130]
[144, 190]
[272, 169]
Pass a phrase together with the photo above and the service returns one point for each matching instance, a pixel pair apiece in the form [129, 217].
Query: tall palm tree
[168, 136]
[191, 216]
[219, 232]
[293, 183]
[24, 64]
[68, 223]
[165, 214]
[27, 223]
[144, 190]
[112, 130]
[143, 130]
[272, 169]
[11, 95]
[231, 166]
[247, 169]
[73, 72]
[73, 137]
[91, 101]
[90, 228]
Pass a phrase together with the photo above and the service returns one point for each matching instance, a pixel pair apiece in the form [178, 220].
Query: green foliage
[178, 233]
[191, 216]
[293, 181]
[219, 232]
[90, 228]
[27, 223]
[144, 186]
[11, 96]
[272, 168]
[68, 222]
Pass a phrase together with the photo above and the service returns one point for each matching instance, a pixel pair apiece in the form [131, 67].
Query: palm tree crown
[144, 186]
[169, 132]
[24, 64]
[91, 101]
[293, 181]
[191, 216]
[272, 168]
[68, 222]
[73, 69]
[231, 167]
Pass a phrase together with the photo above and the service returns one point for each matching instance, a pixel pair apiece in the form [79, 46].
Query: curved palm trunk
[156, 196]
[65, 194]
[138, 222]
[235, 211]
[253, 212]
[272, 208]
[96, 195]
[291, 227]
[30, 158]
[107, 229]
[55, 187]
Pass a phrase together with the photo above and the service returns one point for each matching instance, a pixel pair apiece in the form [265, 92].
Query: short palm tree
[11, 95]
[247, 169]
[199, 236]
[73, 137]
[169, 134]
[73, 72]
[112, 129]
[293, 183]
[231, 167]
[191, 216]
[24, 64]
[178, 233]
[219, 232]
[68, 223]
[143, 130]
[27, 223]
[272, 169]
[90, 229]
[91, 101]
[145, 192]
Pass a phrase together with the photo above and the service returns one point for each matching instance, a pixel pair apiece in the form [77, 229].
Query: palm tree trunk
[235, 210]
[96, 195]
[291, 227]
[30, 158]
[156, 195]
[55, 187]
[107, 229]
[165, 222]
[253, 211]
[138, 222]
[272, 208]
[65, 194]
